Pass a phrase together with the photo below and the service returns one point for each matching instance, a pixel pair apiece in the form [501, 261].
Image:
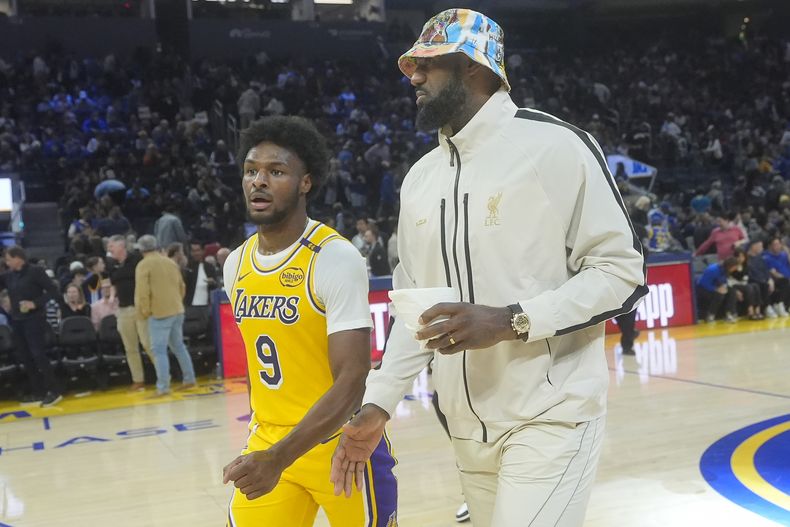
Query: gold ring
[452, 340]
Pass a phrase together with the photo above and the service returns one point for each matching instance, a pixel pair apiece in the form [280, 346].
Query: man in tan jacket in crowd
[158, 297]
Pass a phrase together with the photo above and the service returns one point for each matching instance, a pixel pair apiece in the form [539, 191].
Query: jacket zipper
[444, 248]
[467, 250]
[454, 154]
[548, 379]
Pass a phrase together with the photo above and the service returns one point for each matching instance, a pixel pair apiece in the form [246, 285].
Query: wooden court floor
[126, 460]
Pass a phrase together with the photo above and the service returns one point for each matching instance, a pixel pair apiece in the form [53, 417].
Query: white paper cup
[409, 304]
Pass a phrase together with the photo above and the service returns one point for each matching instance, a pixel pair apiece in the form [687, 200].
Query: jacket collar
[485, 124]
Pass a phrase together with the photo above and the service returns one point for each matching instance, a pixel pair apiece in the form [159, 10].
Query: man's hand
[468, 327]
[26, 306]
[254, 474]
[359, 439]
[722, 290]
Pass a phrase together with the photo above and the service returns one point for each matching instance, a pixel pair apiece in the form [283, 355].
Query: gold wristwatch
[519, 321]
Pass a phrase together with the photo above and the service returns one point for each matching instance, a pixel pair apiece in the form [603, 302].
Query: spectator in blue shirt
[778, 264]
[776, 259]
[701, 203]
[5, 308]
[758, 274]
[712, 290]
[387, 195]
[94, 124]
[782, 163]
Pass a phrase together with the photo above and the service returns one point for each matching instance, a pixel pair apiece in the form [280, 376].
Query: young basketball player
[300, 297]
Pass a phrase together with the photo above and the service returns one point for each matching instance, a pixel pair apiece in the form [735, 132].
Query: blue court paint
[46, 423]
[773, 462]
[37, 446]
[770, 461]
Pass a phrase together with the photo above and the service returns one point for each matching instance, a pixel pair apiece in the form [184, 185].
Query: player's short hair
[298, 135]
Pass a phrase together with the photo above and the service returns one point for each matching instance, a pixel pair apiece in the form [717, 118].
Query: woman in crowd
[74, 304]
[747, 294]
[91, 287]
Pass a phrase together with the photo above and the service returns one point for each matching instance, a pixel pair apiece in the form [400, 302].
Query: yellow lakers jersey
[283, 325]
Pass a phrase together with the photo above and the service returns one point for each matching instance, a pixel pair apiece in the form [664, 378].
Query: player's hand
[359, 439]
[470, 326]
[254, 474]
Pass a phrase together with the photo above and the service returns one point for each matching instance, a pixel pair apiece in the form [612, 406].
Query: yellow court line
[120, 397]
[742, 463]
[115, 398]
[714, 329]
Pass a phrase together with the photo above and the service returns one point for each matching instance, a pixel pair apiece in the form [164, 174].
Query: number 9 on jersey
[271, 375]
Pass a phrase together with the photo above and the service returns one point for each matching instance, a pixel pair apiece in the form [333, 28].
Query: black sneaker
[629, 351]
[31, 399]
[51, 399]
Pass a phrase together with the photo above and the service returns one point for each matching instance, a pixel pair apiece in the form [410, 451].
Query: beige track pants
[538, 475]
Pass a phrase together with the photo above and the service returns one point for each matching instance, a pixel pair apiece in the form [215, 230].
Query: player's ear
[306, 184]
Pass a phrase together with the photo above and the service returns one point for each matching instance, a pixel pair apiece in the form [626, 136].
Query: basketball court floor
[698, 435]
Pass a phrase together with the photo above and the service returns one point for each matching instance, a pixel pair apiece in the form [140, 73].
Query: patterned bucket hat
[460, 31]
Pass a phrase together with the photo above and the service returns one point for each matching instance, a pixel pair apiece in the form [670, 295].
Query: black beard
[277, 216]
[273, 219]
[439, 110]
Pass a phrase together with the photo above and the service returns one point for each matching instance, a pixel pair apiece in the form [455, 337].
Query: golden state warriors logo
[750, 467]
[493, 210]
[291, 277]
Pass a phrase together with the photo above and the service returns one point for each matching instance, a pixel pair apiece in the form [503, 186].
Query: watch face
[521, 322]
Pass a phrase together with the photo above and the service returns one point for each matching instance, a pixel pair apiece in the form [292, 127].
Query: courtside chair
[79, 347]
[112, 352]
[9, 368]
[198, 339]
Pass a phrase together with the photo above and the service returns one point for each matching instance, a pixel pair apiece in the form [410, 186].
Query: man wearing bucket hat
[516, 211]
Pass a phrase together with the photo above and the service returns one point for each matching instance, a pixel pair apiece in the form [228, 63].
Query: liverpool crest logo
[493, 210]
